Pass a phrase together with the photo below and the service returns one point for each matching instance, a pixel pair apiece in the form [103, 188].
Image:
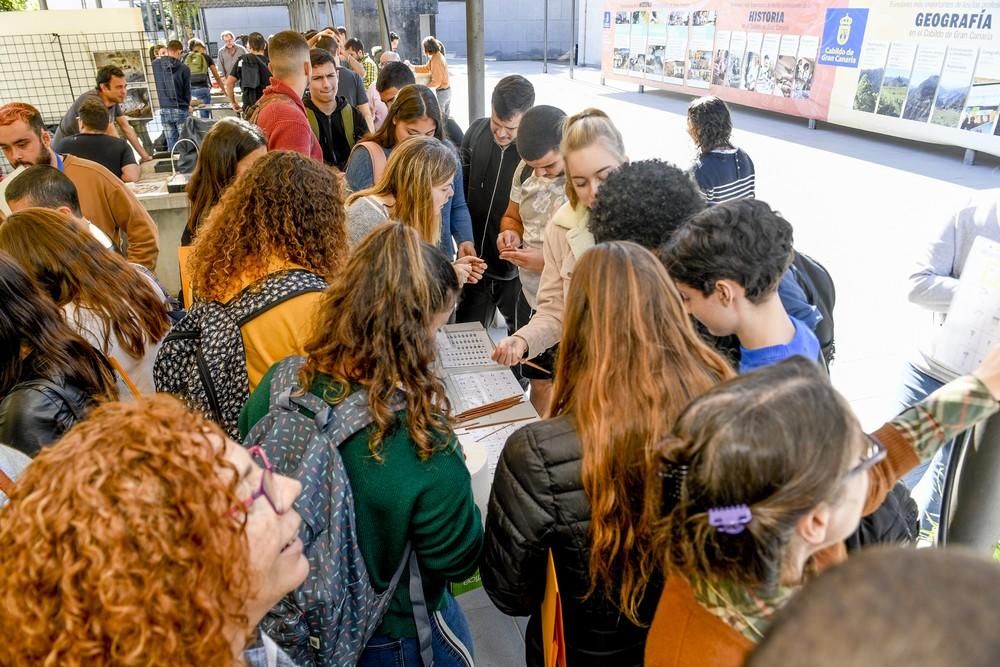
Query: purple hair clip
[731, 520]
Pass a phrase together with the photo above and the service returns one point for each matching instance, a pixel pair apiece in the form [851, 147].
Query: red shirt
[285, 123]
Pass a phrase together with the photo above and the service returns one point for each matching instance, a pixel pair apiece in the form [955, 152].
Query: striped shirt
[725, 174]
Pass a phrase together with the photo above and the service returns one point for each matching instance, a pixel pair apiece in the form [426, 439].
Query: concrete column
[476, 50]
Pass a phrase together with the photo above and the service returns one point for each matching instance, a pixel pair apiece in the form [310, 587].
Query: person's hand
[508, 240]
[145, 157]
[989, 372]
[510, 351]
[469, 269]
[235, 106]
[466, 249]
[526, 258]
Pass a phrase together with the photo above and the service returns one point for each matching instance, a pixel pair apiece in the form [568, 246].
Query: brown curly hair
[286, 209]
[117, 545]
[372, 329]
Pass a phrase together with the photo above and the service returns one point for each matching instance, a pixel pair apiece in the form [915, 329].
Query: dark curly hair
[644, 202]
[713, 126]
[286, 209]
[744, 240]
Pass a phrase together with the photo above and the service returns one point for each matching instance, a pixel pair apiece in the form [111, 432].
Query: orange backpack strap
[378, 159]
[6, 484]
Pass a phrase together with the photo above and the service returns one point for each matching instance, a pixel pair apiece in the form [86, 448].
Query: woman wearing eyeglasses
[763, 479]
[146, 537]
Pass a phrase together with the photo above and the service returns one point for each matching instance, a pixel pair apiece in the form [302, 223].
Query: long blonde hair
[629, 362]
[585, 129]
[415, 167]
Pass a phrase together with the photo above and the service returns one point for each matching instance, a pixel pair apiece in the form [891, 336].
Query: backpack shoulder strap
[271, 291]
[378, 159]
[267, 100]
[286, 394]
[347, 117]
[6, 484]
[313, 122]
[526, 172]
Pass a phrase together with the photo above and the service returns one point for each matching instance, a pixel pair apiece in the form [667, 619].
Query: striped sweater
[724, 174]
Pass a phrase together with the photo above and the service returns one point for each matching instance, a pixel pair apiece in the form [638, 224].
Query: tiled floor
[861, 204]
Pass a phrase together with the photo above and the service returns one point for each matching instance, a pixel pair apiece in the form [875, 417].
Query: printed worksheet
[483, 387]
[463, 349]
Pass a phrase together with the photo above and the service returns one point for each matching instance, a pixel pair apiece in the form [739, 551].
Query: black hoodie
[489, 172]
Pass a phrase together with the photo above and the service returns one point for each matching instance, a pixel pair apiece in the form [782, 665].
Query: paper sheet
[492, 439]
[482, 387]
[461, 349]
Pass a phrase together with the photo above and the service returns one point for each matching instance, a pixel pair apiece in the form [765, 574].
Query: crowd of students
[693, 476]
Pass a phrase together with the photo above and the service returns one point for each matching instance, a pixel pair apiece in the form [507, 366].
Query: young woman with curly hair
[414, 113]
[146, 538]
[50, 377]
[578, 483]
[228, 150]
[376, 331]
[285, 213]
[116, 307]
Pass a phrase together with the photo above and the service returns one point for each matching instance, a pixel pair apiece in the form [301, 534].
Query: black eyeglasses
[875, 453]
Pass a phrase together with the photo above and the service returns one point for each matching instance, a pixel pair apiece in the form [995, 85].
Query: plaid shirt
[371, 71]
[926, 427]
[266, 654]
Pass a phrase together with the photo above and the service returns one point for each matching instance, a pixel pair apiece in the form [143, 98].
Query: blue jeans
[205, 95]
[452, 643]
[926, 481]
[173, 121]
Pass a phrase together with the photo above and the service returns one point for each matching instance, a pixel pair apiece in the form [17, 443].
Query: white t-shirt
[139, 369]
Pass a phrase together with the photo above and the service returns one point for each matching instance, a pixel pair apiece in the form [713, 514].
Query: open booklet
[972, 327]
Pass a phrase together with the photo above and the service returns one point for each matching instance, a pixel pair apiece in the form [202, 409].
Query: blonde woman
[592, 148]
[415, 186]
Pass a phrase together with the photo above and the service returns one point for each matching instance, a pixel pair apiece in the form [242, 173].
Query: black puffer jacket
[538, 503]
[35, 413]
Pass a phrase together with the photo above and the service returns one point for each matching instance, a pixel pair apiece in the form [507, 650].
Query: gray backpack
[329, 619]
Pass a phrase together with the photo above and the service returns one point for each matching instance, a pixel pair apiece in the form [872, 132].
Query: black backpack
[821, 292]
[896, 521]
[202, 360]
[254, 77]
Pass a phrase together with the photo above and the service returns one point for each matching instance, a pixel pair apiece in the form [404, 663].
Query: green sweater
[403, 498]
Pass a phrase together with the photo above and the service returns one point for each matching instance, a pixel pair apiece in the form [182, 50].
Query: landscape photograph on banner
[983, 102]
[953, 87]
[924, 82]
[871, 75]
[896, 81]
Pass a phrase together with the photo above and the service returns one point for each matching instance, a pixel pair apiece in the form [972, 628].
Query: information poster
[922, 69]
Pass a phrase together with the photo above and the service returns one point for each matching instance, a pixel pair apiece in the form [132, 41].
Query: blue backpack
[329, 619]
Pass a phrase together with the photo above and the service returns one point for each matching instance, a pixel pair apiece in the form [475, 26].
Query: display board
[919, 69]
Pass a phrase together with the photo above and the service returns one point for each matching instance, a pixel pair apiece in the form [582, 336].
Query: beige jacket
[567, 237]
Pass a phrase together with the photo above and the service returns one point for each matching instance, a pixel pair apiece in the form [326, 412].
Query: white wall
[244, 20]
[515, 28]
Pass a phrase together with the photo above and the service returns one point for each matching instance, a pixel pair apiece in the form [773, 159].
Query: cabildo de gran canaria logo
[844, 33]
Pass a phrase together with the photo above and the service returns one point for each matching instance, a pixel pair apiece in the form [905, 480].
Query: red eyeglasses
[268, 486]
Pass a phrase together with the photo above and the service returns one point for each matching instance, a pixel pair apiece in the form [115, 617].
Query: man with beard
[104, 199]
